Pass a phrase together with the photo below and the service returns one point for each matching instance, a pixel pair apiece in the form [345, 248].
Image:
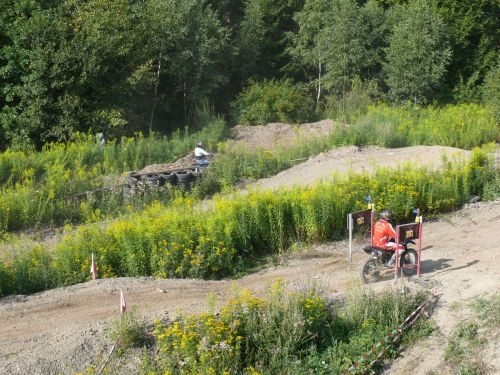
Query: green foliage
[491, 91]
[28, 271]
[463, 126]
[488, 309]
[187, 44]
[418, 53]
[337, 42]
[129, 331]
[61, 68]
[79, 66]
[263, 49]
[74, 66]
[473, 33]
[187, 240]
[266, 336]
[36, 187]
[272, 101]
[352, 105]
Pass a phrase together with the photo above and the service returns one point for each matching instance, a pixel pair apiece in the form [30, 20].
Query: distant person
[201, 155]
[384, 234]
[100, 139]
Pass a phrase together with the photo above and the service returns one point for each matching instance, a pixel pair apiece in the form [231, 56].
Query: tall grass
[464, 126]
[188, 240]
[35, 187]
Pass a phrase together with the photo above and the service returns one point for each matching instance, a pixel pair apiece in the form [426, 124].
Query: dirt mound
[64, 329]
[184, 162]
[267, 136]
[351, 158]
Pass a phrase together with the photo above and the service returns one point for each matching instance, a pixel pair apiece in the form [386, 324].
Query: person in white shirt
[201, 155]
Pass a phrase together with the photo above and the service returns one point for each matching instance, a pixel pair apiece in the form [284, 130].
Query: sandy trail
[359, 159]
[63, 329]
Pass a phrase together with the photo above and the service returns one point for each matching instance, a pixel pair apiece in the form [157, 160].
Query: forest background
[123, 66]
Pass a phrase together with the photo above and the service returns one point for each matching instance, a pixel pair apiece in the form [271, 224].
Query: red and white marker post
[123, 304]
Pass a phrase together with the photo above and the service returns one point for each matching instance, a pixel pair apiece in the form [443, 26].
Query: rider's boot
[391, 261]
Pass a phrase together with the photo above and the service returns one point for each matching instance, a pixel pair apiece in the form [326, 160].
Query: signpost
[412, 231]
[360, 219]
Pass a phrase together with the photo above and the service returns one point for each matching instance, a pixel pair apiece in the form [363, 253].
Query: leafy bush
[272, 101]
[491, 91]
[287, 333]
[129, 331]
[353, 104]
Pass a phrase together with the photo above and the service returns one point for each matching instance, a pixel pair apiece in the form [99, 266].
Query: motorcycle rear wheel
[408, 262]
[370, 272]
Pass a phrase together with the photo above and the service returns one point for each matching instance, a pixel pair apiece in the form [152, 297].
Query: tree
[263, 38]
[187, 44]
[68, 68]
[474, 36]
[348, 52]
[418, 53]
[339, 41]
[491, 90]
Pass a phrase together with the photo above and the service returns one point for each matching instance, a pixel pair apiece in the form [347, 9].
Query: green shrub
[352, 105]
[286, 333]
[272, 101]
[491, 91]
[29, 271]
[129, 331]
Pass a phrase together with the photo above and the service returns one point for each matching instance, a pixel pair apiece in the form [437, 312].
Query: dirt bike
[380, 261]
[194, 162]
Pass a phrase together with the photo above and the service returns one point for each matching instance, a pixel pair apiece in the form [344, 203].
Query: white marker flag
[123, 305]
[93, 268]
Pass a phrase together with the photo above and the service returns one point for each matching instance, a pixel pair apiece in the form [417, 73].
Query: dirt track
[63, 329]
[359, 159]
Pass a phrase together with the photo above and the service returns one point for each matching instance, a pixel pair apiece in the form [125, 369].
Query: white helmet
[386, 214]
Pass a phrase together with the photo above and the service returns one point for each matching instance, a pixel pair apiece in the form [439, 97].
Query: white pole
[349, 225]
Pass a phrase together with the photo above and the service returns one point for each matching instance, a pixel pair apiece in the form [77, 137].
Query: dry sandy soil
[267, 136]
[359, 159]
[63, 330]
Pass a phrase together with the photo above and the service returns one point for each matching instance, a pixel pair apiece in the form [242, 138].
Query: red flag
[93, 268]
[123, 305]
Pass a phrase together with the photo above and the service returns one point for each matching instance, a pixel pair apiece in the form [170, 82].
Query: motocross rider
[384, 234]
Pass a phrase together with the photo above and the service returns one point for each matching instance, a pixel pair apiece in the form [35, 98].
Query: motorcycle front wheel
[408, 262]
[370, 272]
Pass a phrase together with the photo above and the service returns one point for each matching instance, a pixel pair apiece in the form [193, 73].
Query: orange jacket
[382, 231]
